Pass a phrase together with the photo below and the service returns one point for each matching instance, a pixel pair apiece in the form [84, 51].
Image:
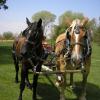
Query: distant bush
[1, 37]
[97, 35]
[8, 35]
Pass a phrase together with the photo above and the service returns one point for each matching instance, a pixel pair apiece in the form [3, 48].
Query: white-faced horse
[73, 50]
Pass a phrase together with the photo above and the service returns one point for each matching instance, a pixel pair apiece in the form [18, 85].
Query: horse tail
[13, 52]
[13, 48]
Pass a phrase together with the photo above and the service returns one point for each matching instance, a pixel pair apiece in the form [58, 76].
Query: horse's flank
[60, 43]
[18, 43]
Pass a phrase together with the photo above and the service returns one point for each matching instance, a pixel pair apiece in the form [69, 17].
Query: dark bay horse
[16, 49]
[28, 50]
[73, 50]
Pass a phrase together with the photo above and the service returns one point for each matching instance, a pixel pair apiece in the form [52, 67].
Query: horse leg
[72, 85]
[62, 77]
[35, 79]
[84, 82]
[22, 83]
[71, 79]
[15, 59]
[62, 87]
[17, 69]
[28, 84]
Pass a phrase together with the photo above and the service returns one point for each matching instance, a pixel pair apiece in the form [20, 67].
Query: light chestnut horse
[78, 57]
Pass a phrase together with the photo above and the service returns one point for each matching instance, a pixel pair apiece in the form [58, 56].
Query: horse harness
[66, 51]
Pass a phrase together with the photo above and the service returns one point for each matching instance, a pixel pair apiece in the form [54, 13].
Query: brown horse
[16, 52]
[73, 50]
[28, 50]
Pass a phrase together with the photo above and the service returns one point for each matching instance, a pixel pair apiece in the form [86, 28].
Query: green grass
[9, 90]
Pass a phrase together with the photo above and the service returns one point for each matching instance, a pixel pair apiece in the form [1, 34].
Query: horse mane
[74, 23]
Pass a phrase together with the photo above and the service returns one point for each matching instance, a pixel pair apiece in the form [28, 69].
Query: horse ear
[84, 21]
[39, 23]
[27, 21]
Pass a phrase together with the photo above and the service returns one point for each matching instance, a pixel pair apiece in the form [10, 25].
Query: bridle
[33, 45]
[76, 30]
[78, 43]
[30, 42]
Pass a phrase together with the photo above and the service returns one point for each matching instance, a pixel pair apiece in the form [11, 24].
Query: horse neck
[39, 49]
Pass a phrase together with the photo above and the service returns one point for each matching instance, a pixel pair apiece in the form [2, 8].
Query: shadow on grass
[5, 55]
[47, 92]
[93, 91]
[50, 92]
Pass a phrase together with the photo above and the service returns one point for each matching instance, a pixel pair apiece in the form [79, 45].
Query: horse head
[34, 36]
[77, 33]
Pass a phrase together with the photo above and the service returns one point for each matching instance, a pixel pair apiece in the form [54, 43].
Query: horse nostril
[79, 61]
[76, 61]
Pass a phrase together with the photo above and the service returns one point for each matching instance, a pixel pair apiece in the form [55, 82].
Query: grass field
[9, 90]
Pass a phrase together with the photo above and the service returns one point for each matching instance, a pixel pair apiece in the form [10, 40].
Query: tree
[46, 16]
[8, 35]
[97, 33]
[58, 29]
[3, 4]
[1, 37]
[63, 21]
[69, 15]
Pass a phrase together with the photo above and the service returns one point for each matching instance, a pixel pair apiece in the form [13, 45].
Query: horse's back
[60, 43]
[61, 37]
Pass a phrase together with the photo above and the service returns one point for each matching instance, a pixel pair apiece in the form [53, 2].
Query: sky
[14, 19]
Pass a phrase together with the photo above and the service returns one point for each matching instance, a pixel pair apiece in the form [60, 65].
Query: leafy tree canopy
[46, 16]
[69, 15]
[7, 35]
[3, 4]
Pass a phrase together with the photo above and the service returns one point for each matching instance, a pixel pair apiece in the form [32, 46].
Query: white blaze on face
[76, 46]
[76, 54]
[74, 23]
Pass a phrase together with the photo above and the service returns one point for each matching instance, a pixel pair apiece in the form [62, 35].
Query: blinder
[77, 29]
[86, 51]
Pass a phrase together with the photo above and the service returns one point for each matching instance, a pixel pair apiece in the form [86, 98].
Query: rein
[77, 43]
[32, 43]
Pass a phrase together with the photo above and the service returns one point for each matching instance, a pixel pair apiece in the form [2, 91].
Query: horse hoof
[29, 86]
[62, 98]
[19, 98]
[16, 81]
[72, 86]
[57, 84]
[35, 99]
[82, 98]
